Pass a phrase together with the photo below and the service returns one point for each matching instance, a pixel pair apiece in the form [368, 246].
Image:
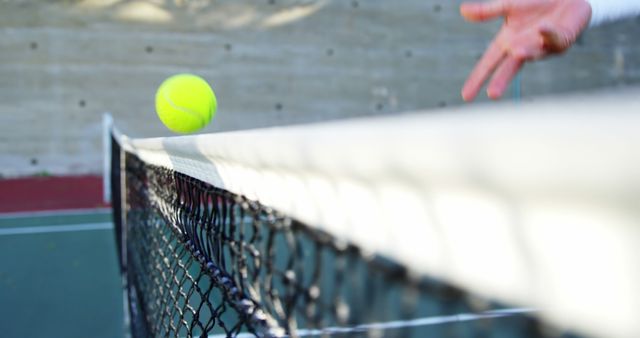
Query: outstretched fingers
[491, 58]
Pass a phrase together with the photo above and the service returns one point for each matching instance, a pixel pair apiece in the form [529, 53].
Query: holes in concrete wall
[271, 2]
[82, 103]
[149, 49]
[442, 104]
[355, 4]
[279, 106]
[34, 161]
[228, 47]
[33, 45]
[437, 8]
[408, 53]
[330, 52]
[379, 106]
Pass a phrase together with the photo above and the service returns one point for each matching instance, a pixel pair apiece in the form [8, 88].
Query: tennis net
[411, 226]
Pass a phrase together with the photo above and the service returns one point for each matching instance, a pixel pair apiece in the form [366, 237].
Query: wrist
[609, 10]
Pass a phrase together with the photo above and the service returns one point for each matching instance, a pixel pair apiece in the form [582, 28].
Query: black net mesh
[200, 261]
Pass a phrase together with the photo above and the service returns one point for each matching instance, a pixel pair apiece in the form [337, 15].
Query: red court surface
[50, 193]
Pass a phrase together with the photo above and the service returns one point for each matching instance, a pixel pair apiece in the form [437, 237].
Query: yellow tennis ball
[185, 103]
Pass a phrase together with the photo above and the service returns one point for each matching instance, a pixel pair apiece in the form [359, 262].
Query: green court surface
[59, 276]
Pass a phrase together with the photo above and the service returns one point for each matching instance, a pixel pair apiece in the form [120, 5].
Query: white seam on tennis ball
[183, 109]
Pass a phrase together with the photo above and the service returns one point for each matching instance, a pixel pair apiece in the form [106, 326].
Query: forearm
[609, 10]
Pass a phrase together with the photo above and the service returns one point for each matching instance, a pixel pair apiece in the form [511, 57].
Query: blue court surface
[59, 275]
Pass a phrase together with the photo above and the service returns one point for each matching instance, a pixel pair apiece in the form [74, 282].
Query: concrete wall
[271, 62]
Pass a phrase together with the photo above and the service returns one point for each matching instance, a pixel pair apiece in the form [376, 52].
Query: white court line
[427, 321]
[47, 229]
[44, 213]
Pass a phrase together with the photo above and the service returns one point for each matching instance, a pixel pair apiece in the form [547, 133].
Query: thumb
[555, 40]
[483, 11]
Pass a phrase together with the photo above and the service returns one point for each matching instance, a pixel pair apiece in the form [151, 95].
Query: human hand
[532, 29]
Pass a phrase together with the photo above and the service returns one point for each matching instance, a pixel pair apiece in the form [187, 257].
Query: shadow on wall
[202, 13]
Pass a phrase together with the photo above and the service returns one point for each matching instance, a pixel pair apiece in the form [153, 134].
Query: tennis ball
[185, 103]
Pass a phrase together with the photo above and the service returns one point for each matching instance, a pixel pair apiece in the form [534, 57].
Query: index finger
[483, 11]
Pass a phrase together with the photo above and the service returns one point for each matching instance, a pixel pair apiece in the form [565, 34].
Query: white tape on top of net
[534, 204]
